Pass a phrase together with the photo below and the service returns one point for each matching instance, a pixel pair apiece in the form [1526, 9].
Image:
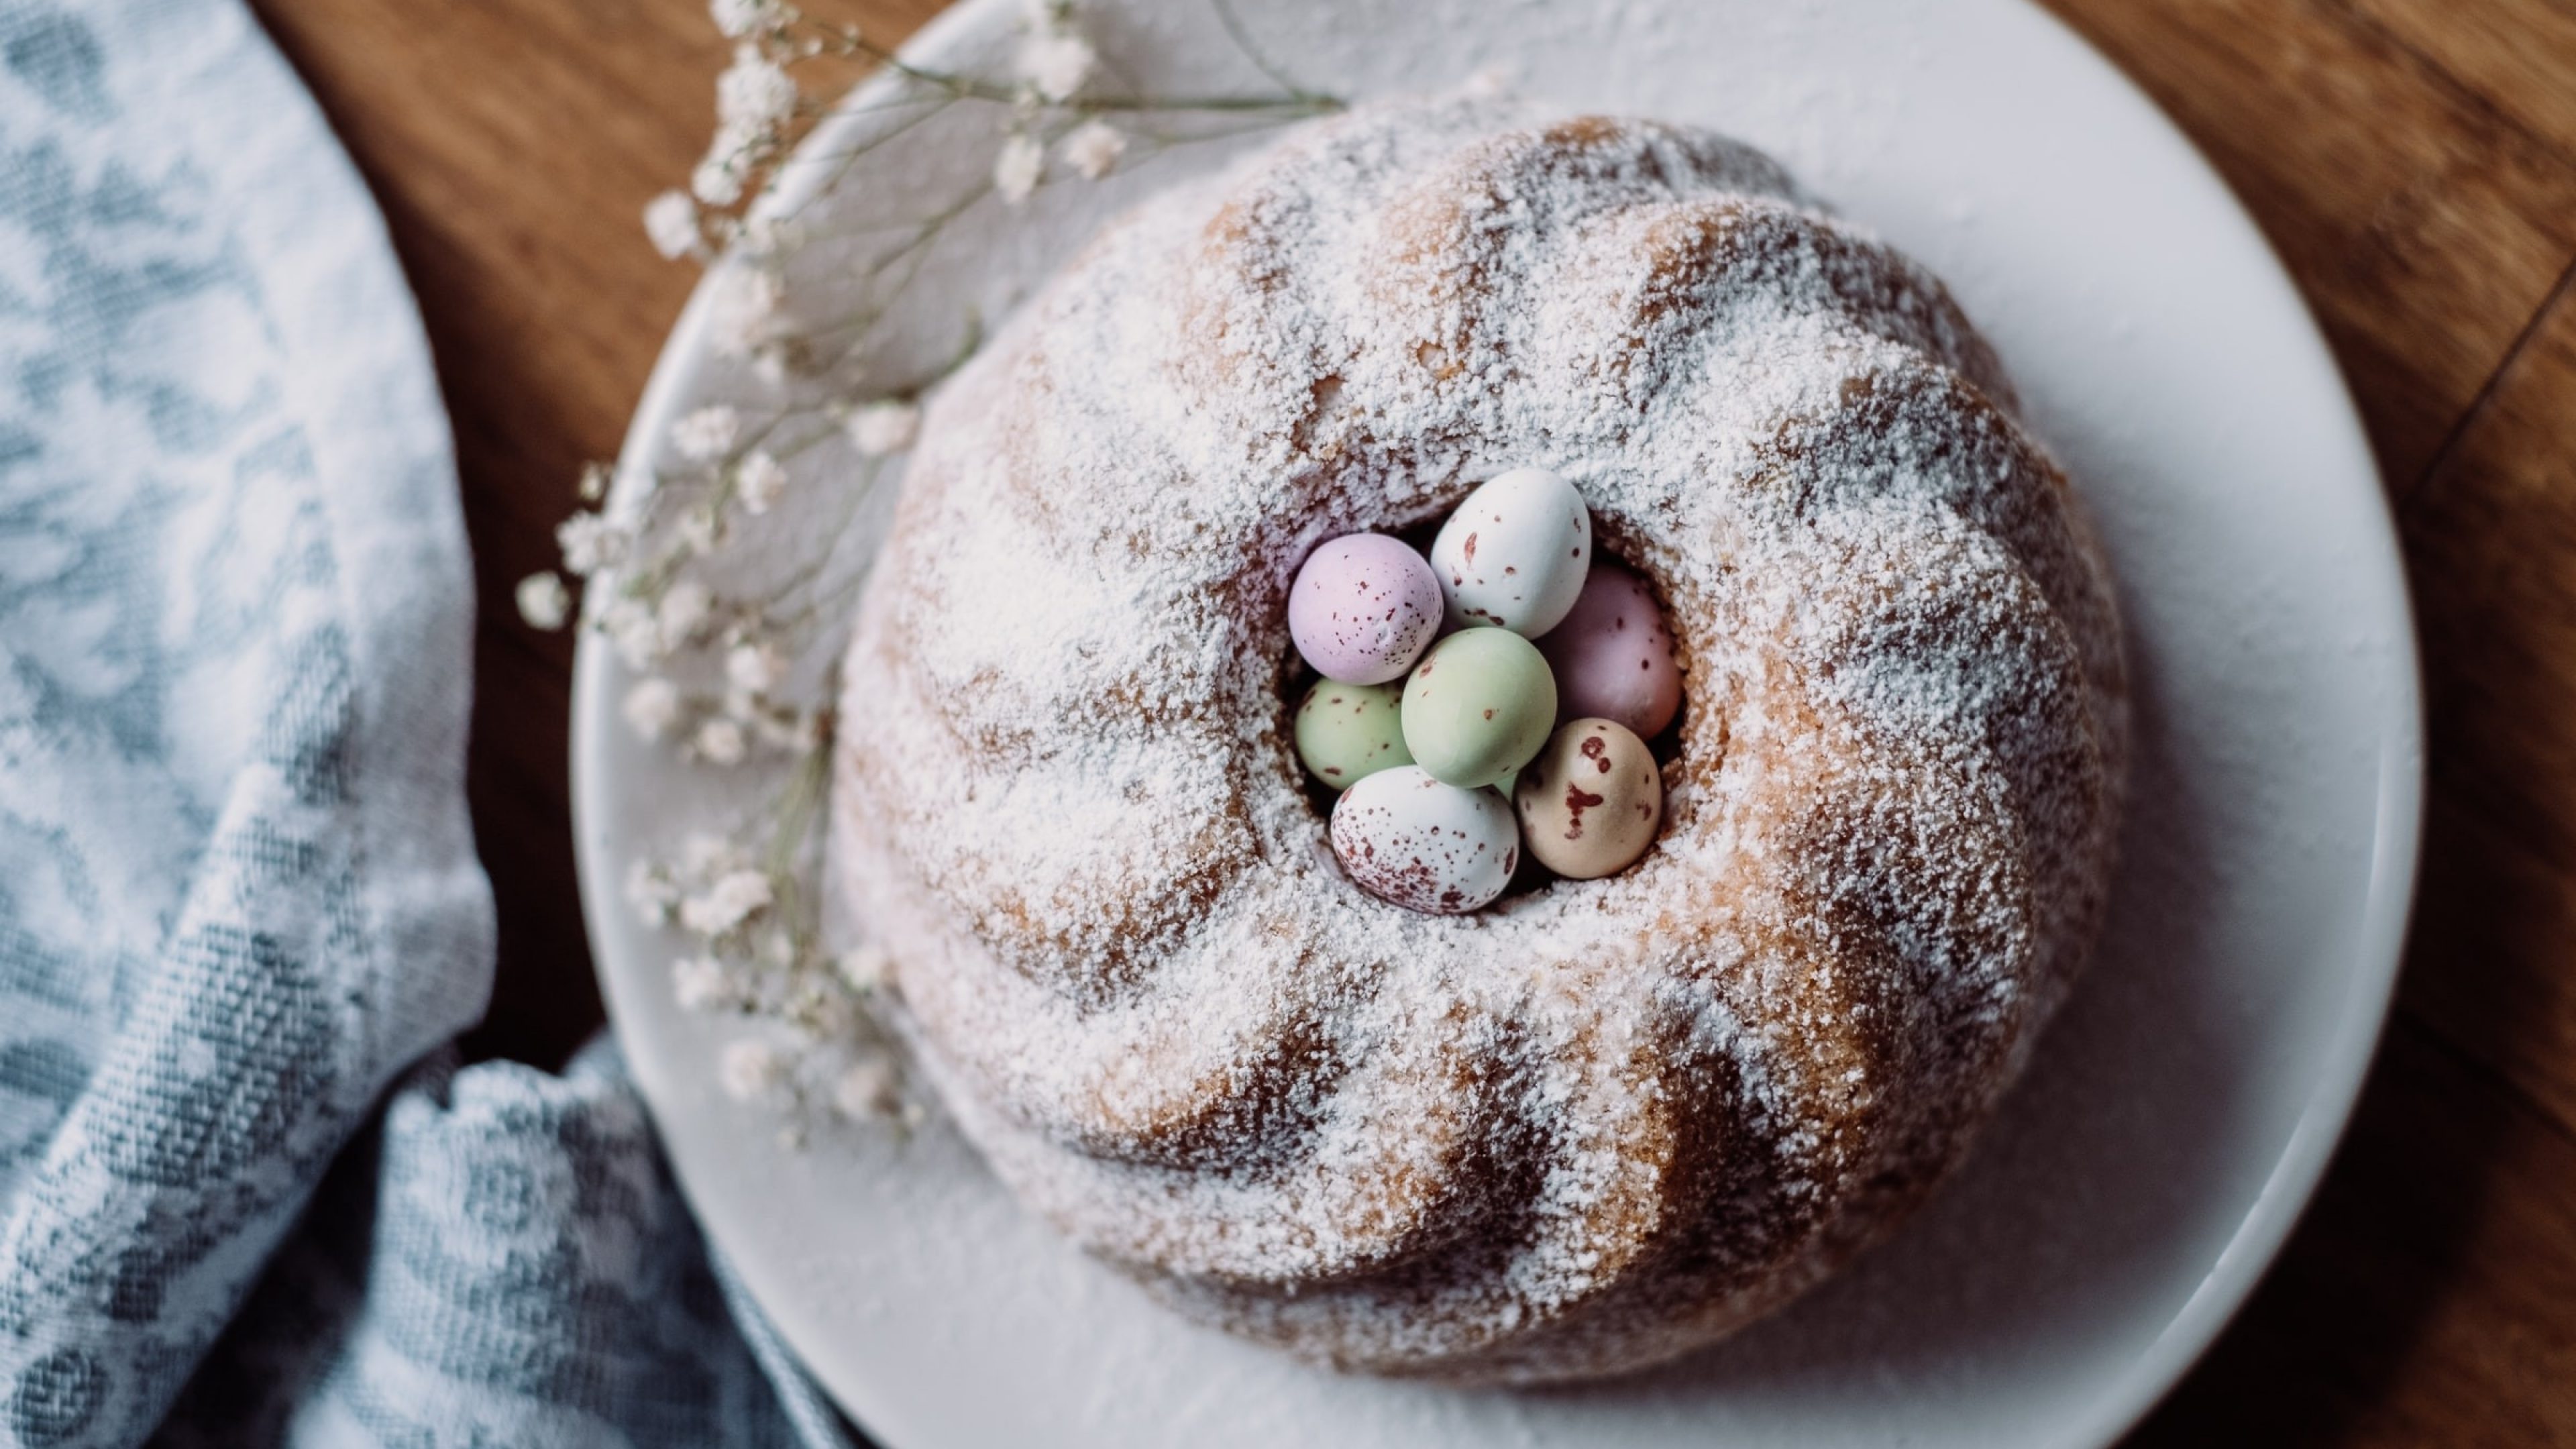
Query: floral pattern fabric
[245, 1197]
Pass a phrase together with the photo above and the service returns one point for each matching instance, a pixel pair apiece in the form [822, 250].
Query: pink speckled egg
[1425, 846]
[1363, 608]
[1613, 657]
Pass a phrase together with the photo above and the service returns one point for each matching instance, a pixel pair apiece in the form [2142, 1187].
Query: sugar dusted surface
[1606, 1120]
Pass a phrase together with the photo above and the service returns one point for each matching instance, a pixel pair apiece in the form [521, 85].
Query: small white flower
[1055, 63]
[867, 1090]
[590, 542]
[720, 742]
[771, 236]
[701, 983]
[650, 893]
[544, 601]
[595, 478]
[1094, 147]
[717, 181]
[754, 93]
[703, 436]
[671, 222]
[722, 176]
[704, 855]
[750, 1068]
[743, 147]
[1017, 169]
[887, 426]
[742, 316]
[701, 529]
[683, 611]
[630, 627]
[864, 966]
[758, 480]
[652, 707]
[736, 19]
[755, 666]
[734, 897]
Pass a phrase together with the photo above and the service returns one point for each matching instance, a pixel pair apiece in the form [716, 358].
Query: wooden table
[2413, 160]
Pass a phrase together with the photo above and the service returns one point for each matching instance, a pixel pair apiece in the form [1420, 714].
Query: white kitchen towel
[245, 1197]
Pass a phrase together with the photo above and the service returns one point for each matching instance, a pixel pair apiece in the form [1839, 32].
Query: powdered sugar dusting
[1604, 1120]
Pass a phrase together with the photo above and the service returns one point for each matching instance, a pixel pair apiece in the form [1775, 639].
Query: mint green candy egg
[1478, 707]
[1348, 732]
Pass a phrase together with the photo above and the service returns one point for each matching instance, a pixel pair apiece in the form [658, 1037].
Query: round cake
[1602, 1121]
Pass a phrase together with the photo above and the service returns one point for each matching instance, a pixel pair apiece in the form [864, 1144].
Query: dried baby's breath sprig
[715, 674]
[751, 1068]
[652, 707]
[671, 224]
[544, 602]
[651, 893]
[704, 435]
[885, 426]
[758, 479]
[592, 542]
[1092, 149]
[1018, 167]
[1049, 91]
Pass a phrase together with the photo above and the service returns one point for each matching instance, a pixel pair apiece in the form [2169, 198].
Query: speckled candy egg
[1478, 706]
[1613, 657]
[1515, 553]
[1407, 838]
[1364, 607]
[1348, 732]
[1590, 803]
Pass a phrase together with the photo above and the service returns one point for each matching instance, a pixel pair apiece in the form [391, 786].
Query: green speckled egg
[1478, 707]
[1348, 732]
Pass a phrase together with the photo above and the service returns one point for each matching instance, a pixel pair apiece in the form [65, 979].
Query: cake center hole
[1611, 658]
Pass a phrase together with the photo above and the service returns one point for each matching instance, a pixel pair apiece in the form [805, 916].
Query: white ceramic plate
[2178, 1113]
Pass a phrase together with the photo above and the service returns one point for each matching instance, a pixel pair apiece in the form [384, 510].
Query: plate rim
[2396, 828]
[2395, 860]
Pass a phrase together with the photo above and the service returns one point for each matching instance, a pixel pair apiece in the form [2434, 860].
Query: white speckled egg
[1591, 802]
[1425, 846]
[1515, 553]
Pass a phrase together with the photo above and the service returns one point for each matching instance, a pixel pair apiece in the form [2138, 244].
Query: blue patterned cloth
[245, 1195]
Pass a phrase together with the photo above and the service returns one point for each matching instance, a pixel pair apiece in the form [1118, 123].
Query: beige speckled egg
[1590, 804]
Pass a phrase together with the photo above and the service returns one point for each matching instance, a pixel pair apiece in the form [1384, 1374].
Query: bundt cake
[1602, 1121]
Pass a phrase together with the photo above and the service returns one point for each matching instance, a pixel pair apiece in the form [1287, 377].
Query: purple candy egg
[1364, 608]
[1613, 657]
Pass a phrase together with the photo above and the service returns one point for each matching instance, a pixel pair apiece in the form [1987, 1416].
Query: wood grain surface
[2413, 160]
